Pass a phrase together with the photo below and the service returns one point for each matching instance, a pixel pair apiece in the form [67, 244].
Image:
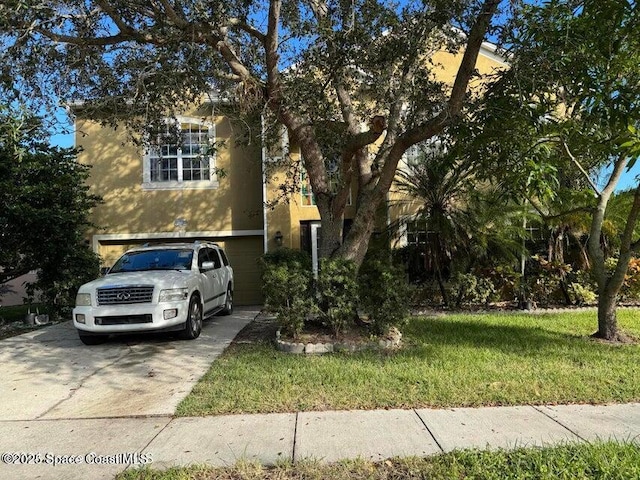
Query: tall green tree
[570, 103]
[44, 211]
[321, 68]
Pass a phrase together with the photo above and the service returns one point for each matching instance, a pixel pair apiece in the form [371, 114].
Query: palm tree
[463, 219]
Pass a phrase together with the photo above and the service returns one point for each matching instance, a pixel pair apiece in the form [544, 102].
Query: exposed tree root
[618, 339]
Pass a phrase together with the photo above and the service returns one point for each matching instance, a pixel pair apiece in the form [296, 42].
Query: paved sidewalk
[328, 436]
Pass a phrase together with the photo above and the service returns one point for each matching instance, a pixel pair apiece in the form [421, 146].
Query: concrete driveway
[49, 374]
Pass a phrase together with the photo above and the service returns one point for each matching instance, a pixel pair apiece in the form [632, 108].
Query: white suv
[156, 288]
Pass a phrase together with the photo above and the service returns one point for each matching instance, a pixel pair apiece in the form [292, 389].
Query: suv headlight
[83, 300]
[173, 294]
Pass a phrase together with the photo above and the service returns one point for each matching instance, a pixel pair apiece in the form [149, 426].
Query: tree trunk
[356, 243]
[607, 321]
[565, 291]
[330, 236]
[609, 285]
[443, 288]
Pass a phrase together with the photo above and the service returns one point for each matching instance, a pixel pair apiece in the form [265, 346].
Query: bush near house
[384, 294]
[338, 293]
[379, 291]
[287, 288]
[44, 212]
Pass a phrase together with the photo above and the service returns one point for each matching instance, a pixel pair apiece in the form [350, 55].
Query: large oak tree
[323, 69]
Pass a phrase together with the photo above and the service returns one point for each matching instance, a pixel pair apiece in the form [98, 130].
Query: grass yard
[587, 461]
[447, 361]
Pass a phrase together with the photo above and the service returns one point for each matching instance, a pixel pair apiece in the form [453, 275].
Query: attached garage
[243, 251]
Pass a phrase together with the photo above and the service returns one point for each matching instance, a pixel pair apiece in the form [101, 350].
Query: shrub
[471, 289]
[631, 287]
[384, 294]
[338, 292]
[582, 294]
[288, 256]
[506, 281]
[286, 285]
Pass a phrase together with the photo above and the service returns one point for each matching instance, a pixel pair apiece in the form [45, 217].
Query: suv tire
[193, 325]
[228, 302]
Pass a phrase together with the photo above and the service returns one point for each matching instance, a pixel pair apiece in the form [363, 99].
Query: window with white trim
[307, 196]
[413, 155]
[183, 160]
[412, 230]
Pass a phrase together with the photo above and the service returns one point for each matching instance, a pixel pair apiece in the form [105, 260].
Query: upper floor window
[307, 196]
[182, 158]
[420, 151]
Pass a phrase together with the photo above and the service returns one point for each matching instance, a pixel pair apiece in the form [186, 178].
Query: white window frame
[180, 184]
[403, 230]
[410, 156]
[309, 196]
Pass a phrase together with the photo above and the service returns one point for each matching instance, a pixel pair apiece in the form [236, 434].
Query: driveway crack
[83, 381]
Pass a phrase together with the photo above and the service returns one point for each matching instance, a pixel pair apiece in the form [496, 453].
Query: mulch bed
[262, 329]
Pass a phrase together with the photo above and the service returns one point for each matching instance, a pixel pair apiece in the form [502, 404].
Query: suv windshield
[170, 259]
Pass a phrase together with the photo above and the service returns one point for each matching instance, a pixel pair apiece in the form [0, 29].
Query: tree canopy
[322, 68]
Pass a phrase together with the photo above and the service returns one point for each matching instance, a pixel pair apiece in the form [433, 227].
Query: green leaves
[44, 212]
[630, 145]
[338, 291]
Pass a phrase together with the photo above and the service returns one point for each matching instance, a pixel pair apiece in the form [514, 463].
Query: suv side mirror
[207, 266]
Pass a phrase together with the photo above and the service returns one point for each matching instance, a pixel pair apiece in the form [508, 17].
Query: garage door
[244, 253]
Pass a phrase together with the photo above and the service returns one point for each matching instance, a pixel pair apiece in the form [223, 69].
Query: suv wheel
[193, 325]
[228, 302]
[91, 339]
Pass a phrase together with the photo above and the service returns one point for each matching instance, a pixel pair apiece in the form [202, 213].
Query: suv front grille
[124, 320]
[125, 295]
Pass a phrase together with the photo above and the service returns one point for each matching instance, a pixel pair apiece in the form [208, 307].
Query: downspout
[265, 238]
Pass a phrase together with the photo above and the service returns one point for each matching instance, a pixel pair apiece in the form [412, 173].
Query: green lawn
[453, 360]
[587, 461]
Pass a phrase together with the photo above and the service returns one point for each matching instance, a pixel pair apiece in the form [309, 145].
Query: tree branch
[178, 18]
[468, 63]
[95, 41]
[582, 170]
[117, 19]
[596, 253]
[436, 124]
[244, 26]
[632, 220]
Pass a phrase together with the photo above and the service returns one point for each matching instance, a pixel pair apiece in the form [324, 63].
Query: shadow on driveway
[49, 373]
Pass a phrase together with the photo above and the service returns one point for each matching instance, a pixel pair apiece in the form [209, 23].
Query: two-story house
[174, 193]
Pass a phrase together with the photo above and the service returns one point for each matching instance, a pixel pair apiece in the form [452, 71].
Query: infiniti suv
[158, 288]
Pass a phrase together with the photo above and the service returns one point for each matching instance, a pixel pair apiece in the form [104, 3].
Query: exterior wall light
[278, 238]
[181, 225]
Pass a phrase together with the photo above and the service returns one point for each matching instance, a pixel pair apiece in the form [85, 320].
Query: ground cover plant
[587, 461]
[12, 319]
[446, 361]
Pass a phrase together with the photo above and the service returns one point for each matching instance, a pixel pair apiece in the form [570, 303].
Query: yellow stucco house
[171, 194]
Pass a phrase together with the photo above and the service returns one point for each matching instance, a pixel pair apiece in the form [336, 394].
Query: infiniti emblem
[123, 296]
